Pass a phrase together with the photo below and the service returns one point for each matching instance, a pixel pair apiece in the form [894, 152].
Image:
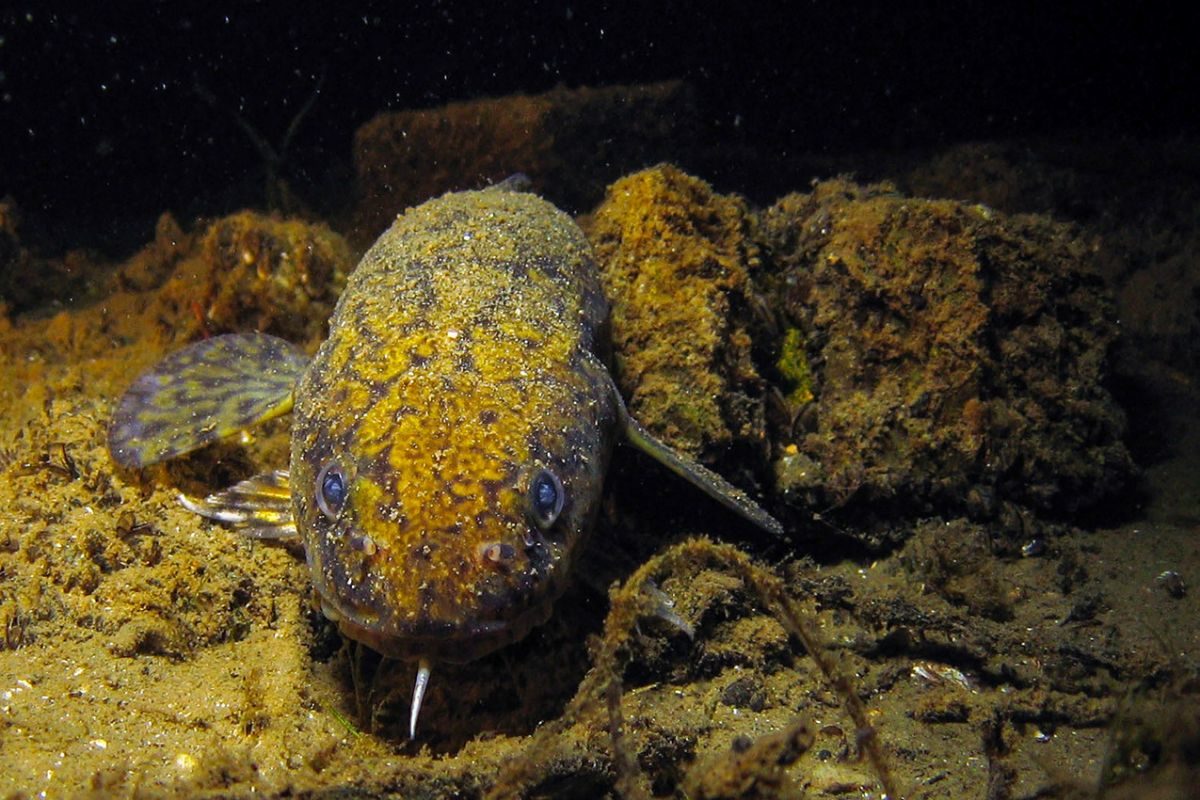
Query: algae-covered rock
[245, 271]
[955, 357]
[570, 142]
[28, 280]
[676, 261]
[268, 273]
[927, 356]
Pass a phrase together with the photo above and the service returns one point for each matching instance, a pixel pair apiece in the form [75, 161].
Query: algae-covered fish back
[452, 434]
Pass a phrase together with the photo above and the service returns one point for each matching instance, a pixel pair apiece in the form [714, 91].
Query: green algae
[794, 368]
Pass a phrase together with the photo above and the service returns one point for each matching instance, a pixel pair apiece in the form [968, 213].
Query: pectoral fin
[699, 476]
[202, 393]
[260, 507]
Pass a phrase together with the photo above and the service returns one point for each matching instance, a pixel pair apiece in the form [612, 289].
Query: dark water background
[111, 114]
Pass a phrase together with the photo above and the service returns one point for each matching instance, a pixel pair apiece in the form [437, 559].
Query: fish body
[450, 438]
[457, 383]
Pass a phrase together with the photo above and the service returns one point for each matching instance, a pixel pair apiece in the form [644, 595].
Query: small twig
[273, 159]
[66, 468]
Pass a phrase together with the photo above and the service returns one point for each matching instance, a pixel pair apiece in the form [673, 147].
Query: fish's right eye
[331, 490]
[546, 498]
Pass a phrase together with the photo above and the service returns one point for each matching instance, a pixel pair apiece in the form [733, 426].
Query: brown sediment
[79, 529]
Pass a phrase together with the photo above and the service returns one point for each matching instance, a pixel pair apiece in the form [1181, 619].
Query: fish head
[442, 513]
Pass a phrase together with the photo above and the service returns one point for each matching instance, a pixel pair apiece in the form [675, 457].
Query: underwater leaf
[202, 393]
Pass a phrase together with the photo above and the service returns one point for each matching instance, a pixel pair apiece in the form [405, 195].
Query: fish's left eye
[546, 498]
[331, 490]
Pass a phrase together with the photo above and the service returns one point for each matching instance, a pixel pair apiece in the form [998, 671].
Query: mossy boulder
[676, 261]
[956, 358]
[570, 142]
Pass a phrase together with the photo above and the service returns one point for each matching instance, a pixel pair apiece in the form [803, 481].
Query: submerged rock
[925, 357]
[952, 358]
[570, 142]
[676, 262]
[244, 271]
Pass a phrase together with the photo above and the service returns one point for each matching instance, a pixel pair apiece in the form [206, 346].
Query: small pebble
[745, 693]
[1173, 583]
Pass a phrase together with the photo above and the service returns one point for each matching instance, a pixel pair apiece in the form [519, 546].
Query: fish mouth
[438, 641]
[357, 593]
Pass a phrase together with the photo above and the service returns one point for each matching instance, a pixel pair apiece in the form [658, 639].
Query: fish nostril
[364, 544]
[497, 555]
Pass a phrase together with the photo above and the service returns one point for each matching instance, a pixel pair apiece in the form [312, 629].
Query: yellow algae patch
[675, 260]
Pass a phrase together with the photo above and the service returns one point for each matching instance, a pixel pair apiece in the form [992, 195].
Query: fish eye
[331, 490]
[546, 498]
